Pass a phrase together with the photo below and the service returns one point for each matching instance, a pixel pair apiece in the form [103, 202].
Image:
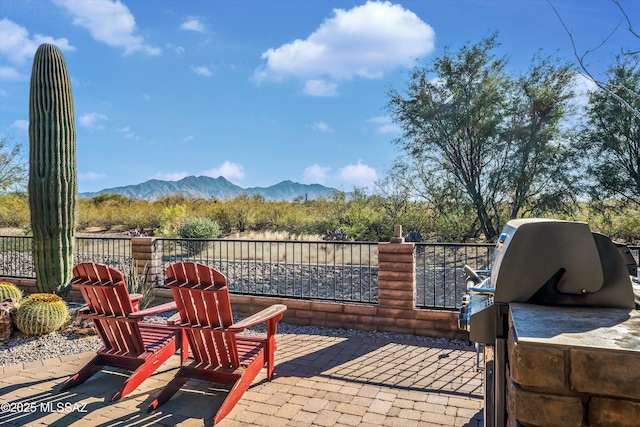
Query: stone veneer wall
[395, 311]
[571, 386]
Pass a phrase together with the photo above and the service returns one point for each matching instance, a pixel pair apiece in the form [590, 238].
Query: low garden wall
[395, 311]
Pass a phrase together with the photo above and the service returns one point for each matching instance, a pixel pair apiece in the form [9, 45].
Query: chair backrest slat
[202, 299]
[105, 292]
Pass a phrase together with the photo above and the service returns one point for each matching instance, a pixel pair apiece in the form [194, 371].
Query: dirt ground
[88, 232]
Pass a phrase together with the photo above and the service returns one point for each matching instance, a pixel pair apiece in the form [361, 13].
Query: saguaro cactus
[53, 188]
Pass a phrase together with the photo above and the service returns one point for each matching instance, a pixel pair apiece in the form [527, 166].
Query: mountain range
[205, 187]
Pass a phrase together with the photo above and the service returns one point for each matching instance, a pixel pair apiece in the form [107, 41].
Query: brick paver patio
[319, 381]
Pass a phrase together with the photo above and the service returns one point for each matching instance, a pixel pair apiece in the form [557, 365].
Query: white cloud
[91, 176]
[229, 170]
[315, 174]
[22, 125]
[10, 74]
[128, 133]
[187, 139]
[193, 24]
[384, 125]
[170, 176]
[366, 41]
[315, 87]
[179, 50]
[92, 120]
[109, 22]
[321, 126]
[352, 175]
[18, 47]
[358, 175]
[202, 71]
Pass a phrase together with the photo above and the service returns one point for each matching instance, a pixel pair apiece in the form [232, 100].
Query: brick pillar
[396, 284]
[147, 251]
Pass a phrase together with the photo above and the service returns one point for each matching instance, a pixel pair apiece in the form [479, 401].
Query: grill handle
[471, 274]
[481, 291]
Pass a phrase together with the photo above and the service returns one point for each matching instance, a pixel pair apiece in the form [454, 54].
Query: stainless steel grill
[539, 261]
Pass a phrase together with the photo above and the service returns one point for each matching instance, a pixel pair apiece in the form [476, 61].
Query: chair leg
[238, 389]
[168, 391]
[184, 347]
[270, 350]
[83, 374]
[134, 380]
[145, 370]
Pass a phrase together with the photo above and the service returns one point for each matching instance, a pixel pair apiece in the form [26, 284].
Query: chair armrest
[173, 319]
[162, 308]
[135, 297]
[260, 317]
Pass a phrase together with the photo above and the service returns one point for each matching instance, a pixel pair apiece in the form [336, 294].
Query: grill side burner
[539, 261]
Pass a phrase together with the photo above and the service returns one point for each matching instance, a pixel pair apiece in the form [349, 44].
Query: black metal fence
[113, 251]
[16, 258]
[635, 251]
[440, 277]
[336, 271]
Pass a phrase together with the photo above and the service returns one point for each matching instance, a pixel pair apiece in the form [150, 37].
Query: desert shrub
[199, 228]
[137, 283]
[412, 236]
[170, 220]
[14, 211]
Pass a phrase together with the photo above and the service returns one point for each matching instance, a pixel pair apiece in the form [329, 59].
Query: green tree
[13, 169]
[538, 166]
[477, 136]
[611, 139]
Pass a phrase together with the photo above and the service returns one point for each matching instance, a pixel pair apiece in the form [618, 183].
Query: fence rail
[440, 277]
[334, 271]
[16, 257]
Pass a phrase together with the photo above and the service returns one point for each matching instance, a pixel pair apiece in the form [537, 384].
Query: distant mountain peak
[206, 187]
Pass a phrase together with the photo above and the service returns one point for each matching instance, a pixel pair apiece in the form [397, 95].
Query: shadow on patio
[319, 380]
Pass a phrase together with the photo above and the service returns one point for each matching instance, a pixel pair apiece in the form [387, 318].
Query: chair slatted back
[105, 292]
[202, 299]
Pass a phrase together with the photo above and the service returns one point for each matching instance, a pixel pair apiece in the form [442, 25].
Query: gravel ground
[20, 348]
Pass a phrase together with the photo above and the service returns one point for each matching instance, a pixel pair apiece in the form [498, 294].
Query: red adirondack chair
[216, 351]
[128, 342]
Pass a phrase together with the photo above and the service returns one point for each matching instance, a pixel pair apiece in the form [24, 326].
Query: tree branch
[585, 70]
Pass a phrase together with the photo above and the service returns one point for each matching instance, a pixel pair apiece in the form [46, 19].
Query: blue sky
[261, 91]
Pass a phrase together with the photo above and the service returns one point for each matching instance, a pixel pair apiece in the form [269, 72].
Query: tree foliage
[477, 137]
[13, 169]
[362, 218]
[610, 142]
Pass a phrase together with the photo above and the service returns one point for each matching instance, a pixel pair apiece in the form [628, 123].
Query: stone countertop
[587, 327]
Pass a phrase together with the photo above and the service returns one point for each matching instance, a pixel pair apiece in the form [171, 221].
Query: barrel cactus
[9, 291]
[52, 170]
[40, 314]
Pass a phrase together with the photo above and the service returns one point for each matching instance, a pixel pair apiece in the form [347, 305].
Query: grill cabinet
[546, 262]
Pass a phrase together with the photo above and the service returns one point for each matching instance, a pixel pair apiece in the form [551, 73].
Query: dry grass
[274, 235]
[8, 231]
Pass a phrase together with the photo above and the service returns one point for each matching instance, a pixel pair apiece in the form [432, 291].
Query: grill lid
[553, 262]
